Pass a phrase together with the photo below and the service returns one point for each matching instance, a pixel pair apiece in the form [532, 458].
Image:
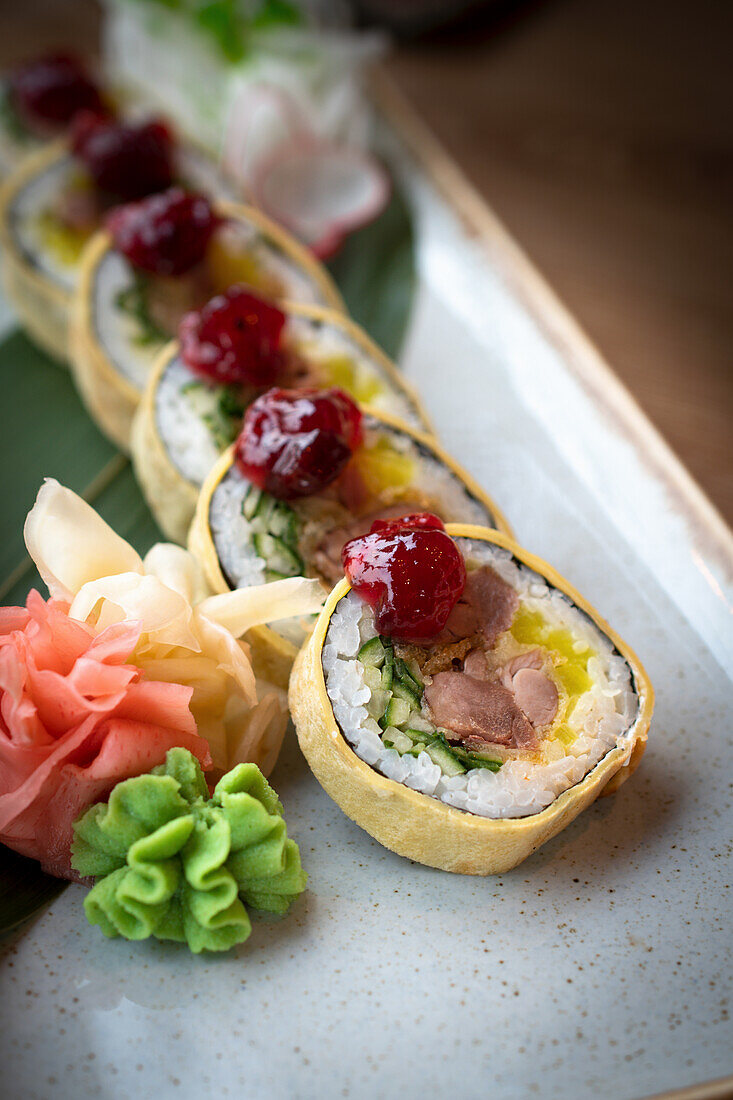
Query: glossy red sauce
[410, 571]
[165, 234]
[296, 442]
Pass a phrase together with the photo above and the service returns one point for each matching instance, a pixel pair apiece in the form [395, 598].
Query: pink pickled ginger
[75, 719]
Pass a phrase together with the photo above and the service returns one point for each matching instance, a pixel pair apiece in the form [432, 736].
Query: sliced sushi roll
[159, 259]
[461, 702]
[187, 418]
[38, 100]
[56, 200]
[309, 471]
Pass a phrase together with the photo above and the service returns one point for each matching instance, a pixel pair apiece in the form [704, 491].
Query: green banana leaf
[46, 432]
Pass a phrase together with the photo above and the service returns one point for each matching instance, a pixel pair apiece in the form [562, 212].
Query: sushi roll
[38, 100]
[55, 201]
[460, 701]
[187, 418]
[309, 471]
[157, 260]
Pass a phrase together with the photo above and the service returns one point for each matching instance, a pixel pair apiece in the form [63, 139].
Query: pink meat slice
[535, 695]
[480, 710]
[475, 665]
[487, 607]
[531, 659]
[534, 692]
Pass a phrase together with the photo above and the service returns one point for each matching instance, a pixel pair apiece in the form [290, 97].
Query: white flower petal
[71, 544]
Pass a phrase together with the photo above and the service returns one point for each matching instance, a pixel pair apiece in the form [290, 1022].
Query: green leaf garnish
[133, 300]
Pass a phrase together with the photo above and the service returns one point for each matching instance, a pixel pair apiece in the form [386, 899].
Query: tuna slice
[478, 710]
[486, 608]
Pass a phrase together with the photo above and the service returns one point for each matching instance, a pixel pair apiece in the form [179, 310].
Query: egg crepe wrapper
[171, 497]
[273, 655]
[419, 826]
[110, 398]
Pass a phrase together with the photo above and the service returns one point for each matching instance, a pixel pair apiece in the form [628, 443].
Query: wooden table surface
[601, 132]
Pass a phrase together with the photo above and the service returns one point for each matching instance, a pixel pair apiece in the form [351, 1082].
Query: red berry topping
[296, 442]
[167, 233]
[236, 338]
[414, 519]
[411, 572]
[125, 160]
[48, 92]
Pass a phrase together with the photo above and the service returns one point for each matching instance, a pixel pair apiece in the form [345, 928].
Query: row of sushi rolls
[327, 561]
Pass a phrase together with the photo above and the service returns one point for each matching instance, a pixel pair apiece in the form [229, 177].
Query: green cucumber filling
[133, 301]
[220, 407]
[275, 532]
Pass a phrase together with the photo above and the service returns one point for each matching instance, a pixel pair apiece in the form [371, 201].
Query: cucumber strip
[280, 522]
[401, 690]
[407, 677]
[372, 653]
[273, 575]
[251, 501]
[418, 736]
[444, 758]
[396, 714]
[469, 759]
[372, 678]
[398, 741]
[378, 703]
[261, 519]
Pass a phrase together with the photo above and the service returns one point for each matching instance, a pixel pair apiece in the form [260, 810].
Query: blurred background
[601, 132]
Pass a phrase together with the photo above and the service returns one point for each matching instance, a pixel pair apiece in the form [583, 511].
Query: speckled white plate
[598, 968]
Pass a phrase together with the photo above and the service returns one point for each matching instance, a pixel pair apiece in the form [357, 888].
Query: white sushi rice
[602, 719]
[188, 440]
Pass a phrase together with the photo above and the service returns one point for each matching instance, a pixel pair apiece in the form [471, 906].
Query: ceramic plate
[601, 966]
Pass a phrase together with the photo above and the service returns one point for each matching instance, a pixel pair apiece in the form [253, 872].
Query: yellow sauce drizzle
[227, 265]
[340, 370]
[571, 669]
[63, 242]
[382, 467]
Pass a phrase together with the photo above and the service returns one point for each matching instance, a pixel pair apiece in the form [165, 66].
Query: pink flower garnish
[75, 719]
